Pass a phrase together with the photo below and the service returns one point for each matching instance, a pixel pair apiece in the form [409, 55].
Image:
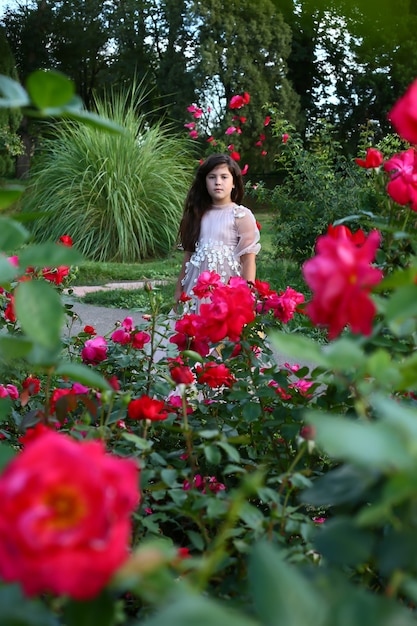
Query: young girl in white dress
[217, 233]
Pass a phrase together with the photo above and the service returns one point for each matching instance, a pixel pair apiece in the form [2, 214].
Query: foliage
[319, 186]
[282, 491]
[131, 185]
[10, 141]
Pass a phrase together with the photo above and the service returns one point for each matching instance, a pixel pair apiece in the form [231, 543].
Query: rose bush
[258, 475]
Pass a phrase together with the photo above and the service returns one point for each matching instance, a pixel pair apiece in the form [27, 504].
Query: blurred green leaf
[12, 234]
[100, 610]
[344, 354]
[94, 121]
[407, 369]
[39, 311]
[7, 271]
[14, 95]
[16, 610]
[380, 366]
[49, 255]
[49, 88]
[7, 453]
[191, 609]
[367, 444]
[298, 347]
[14, 347]
[402, 306]
[343, 484]
[342, 543]
[281, 594]
[10, 194]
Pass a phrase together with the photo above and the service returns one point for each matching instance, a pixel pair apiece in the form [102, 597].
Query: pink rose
[94, 351]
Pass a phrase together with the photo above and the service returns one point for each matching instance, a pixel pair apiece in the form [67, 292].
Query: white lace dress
[227, 232]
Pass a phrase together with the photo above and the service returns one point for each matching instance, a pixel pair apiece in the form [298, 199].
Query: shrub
[119, 196]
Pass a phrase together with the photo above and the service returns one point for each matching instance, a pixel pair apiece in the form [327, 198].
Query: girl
[216, 232]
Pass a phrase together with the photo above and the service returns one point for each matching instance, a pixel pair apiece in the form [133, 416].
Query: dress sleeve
[248, 232]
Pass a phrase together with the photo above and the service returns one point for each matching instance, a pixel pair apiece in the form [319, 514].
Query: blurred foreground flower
[65, 516]
[341, 278]
[403, 114]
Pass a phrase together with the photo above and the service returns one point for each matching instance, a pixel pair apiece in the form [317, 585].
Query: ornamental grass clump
[119, 196]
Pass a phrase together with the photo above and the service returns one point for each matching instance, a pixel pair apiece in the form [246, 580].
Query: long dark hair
[198, 200]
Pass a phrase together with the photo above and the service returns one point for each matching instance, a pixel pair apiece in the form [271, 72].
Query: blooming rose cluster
[65, 522]
[230, 309]
[127, 335]
[236, 103]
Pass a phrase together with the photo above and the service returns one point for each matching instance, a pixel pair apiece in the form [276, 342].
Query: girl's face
[219, 183]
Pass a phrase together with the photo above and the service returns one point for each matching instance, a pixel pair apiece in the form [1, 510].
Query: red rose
[343, 232]
[65, 516]
[146, 408]
[215, 375]
[66, 240]
[55, 275]
[374, 158]
[33, 385]
[181, 374]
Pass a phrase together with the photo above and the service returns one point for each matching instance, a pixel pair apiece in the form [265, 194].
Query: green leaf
[251, 411]
[408, 370]
[401, 307]
[14, 347]
[340, 542]
[16, 610]
[251, 516]
[14, 95]
[367, 444]
[12, 234]
[169, 476]
[100, 610]
[212, 454]
[7, 453]
[5, 408]
[49, 255]
[281, 594]
[344, 484]
[231, 451]
[298, 347]
[10, 194]
[7, 271]
[379, 366]
[343, 354]
[190, 609]
[49, 88]
[83, 374]
[40, 312]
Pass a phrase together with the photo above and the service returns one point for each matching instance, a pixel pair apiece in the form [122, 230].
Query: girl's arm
[178, 288]
[248, 263]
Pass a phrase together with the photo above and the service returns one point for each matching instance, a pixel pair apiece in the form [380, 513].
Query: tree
[244, 50]
[10, 142]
